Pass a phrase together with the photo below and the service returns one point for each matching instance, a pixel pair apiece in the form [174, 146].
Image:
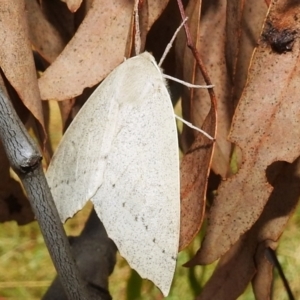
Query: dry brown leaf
[246, 260]
[196, 161]
[155, 9]
[57, 13]
[209, 36]
[194, 171]
[232, 274]
[235, 270]
[88, 58]
[51, 26]
[148, 13]
[73, 5]
[186, 69]
[97, 48]
[263, 279]
[283, 201]
[16, 57]
[212, 43]
[45, 38]
[265, 125]
[234, 13]
[254, 14]
[70, 107]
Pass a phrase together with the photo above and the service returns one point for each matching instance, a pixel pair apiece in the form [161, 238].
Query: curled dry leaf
[148, 13]
[186, 68]
[232, 274]
[51, 26]
[246, 260]
[45, 38]
[234, 17]
[263, 279]
[196, 162]
[88, 58]
[272, 222]
[57, 13]
[162, 31]
[194, 171]
[212, 43]
[16, 57]
[90, 50]
[155, 9]
[253, 17]
[209, 36]
[265, 125]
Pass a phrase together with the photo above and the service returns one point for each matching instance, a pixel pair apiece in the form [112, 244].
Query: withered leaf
[57, 13]
[43, 35]
[253, 17]
[265, 125]
[16, 57]
[88, 58]
[155, 10]
[234, 17]
[194, 171]
[263, 279]
[232, 274]
[247, 260]
[196, 162]
[148, 13]
[210, 38]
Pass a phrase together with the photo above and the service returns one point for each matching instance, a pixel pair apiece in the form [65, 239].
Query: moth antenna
[194, 127]
[169, 46]
[190, 85]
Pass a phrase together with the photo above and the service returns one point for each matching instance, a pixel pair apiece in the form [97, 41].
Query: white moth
[121, 152]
